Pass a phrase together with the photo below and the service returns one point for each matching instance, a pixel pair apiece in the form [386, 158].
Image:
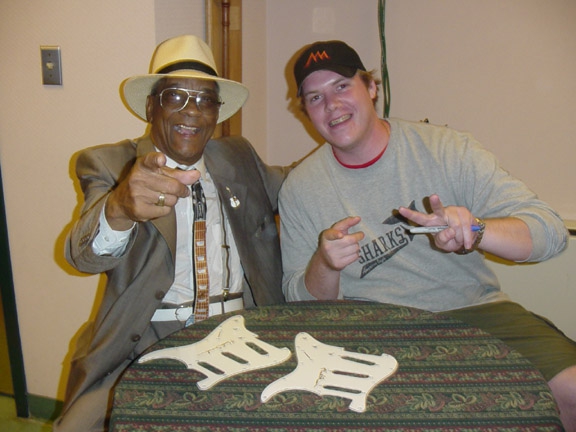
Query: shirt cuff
[109, 241]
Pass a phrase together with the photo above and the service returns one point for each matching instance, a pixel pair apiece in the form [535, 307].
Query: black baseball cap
[333, 55]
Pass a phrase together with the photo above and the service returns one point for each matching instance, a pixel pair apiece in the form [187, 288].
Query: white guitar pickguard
[230, 349]
[328, 370]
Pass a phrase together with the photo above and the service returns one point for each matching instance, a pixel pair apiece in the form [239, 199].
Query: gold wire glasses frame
[176, 99]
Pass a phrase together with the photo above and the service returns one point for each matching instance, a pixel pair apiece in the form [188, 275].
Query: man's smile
[339, 120]
[186, 130]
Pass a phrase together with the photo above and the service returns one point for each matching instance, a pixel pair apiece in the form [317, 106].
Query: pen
[432, 229]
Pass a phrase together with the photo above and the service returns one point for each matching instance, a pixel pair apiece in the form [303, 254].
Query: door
[12, 363]
[224, 35]
[6, 387]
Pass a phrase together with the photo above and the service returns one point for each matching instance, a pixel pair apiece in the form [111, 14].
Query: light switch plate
[51, 65]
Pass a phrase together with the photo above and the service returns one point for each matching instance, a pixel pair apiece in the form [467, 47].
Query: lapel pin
[234, 201]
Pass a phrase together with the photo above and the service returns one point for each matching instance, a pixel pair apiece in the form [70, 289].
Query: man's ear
[372, 89]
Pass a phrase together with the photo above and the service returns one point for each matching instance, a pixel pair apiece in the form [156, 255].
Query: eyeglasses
[175, 99]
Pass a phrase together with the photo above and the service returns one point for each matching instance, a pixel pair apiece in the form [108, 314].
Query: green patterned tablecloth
[451, 377]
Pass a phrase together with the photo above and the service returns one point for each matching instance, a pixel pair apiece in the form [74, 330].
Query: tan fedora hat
[185, 56]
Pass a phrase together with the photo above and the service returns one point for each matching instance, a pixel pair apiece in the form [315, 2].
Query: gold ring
[161, 199]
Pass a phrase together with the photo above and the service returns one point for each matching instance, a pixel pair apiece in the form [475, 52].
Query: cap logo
[316, 57]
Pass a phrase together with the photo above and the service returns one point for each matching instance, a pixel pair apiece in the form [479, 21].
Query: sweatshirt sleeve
[298, 242]
[490, 191]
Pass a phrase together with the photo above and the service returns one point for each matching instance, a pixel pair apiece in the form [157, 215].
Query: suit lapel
[232, 190]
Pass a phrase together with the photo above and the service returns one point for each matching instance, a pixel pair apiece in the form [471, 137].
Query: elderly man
[146, 202]
[345, 212]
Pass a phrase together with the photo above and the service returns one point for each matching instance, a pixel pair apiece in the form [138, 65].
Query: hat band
[188, 65]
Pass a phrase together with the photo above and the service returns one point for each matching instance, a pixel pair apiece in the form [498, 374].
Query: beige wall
[502, 69]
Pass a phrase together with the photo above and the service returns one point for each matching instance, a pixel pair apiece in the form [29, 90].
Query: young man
[137, 218]
[343, 212]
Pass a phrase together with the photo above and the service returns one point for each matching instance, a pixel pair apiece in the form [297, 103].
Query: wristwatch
[479, 234]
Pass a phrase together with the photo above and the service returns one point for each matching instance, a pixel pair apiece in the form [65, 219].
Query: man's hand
[506, 237]
[135, 198]
[337, 247]
[458, 219]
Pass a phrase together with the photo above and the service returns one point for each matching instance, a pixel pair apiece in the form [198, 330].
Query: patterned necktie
[202, 301]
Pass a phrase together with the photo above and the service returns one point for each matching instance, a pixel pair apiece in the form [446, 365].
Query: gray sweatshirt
[396, 266]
